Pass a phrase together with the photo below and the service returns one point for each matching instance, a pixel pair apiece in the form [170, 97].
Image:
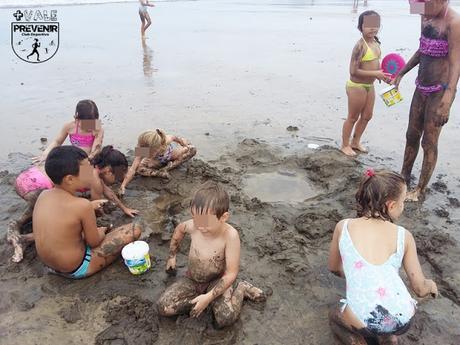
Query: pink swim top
[31, 180]
[433, 47]
[81, 140]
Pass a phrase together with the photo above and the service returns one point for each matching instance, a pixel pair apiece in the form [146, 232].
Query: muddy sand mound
[285, 209]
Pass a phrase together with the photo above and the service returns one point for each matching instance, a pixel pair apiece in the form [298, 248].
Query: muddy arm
[335, 261]
[174, 246]
[97, 144]
[232, 267]
[131, 172]
[453, 37]
[109, 194]
[356, 56]
[414, 61]
[419, 284]
[55, 143]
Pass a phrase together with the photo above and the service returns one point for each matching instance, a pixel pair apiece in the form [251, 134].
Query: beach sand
[231, 77]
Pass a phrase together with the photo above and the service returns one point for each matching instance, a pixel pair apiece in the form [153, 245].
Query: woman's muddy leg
[413, 134]
[364, 119]
[343, 331]
[177, 297]
[111, 246]
[20, 241]
[430, 140]
[227, 307]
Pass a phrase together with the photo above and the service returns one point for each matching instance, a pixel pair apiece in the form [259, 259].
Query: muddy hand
[130, 212]
[98, 204]
[201, 303]
[171, 266]
[434, 289]
[442, 115]
[396, 81]
[121, 192]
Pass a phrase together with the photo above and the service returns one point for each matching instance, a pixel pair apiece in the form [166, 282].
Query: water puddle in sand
[279, 186]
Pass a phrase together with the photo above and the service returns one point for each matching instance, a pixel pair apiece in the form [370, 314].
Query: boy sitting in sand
[214, 261]
[64, 226]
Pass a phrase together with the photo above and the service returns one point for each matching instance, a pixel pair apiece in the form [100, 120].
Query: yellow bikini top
[370, 55]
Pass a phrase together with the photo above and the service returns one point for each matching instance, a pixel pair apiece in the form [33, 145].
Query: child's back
[58, 229]
[368, 252]
[372, 252]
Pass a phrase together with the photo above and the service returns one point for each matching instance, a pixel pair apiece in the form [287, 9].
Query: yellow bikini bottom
[367, 87]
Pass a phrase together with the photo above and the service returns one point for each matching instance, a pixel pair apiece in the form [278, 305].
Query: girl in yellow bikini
[364, 70]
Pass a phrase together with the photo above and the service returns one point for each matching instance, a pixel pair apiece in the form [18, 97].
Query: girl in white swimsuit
[368, 252]
[144, 15]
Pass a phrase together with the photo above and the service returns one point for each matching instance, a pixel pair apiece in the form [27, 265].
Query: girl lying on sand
[156, 155]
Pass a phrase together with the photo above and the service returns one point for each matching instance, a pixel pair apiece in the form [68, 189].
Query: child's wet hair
[86, 110]
[62, 161]
[110, 157]
[210, 197]
[375, 190]
[361, 21]
[152, 138]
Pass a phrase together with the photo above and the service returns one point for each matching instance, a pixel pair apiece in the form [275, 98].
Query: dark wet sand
[234, 71]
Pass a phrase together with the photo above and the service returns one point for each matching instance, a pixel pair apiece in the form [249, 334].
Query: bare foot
[253, 293]
[359, 148]
[348, 151]
[414, 195]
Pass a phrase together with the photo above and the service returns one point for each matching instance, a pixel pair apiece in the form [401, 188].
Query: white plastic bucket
[136, 256]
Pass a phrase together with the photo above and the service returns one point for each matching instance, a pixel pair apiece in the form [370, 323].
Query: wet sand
[242, 72]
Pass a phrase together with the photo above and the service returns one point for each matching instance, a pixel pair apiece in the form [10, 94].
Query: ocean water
[291, 3]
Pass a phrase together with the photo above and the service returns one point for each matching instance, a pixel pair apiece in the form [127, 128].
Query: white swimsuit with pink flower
[376, 294]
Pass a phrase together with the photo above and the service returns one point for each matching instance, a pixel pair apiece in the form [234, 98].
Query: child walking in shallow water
[156, 155]
[214, 261]
[368, 252]
[364, 70]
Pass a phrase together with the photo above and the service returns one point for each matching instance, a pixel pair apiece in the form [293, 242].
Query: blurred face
[427, 8]
[208, 223]
[371, 25]
[84, 178]
[396, 207]
[112, 175]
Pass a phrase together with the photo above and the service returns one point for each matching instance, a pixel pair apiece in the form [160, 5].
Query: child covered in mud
[109, 166]
[368, 252]
[156, 155]
[364, 70]
[64, 226]
[84, 131]
[214, 260]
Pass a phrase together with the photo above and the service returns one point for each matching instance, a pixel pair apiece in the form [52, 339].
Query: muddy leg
[180, 156]
[13, 234]
[343, 331]
[364, 119]
[227, 307]
[149, 21]
[356, 102]
[176, 299]
[111, 246]
[430, 140]
[151, 169]
[413, 134]
[388, 340]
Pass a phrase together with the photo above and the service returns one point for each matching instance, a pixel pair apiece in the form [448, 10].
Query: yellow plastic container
[391, 95]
